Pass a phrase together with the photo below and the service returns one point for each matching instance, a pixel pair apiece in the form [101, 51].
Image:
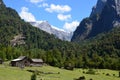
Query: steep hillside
[20, 38]
[104, 17]
[11, 25]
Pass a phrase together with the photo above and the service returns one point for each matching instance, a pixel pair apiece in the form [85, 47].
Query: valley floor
[53, 73]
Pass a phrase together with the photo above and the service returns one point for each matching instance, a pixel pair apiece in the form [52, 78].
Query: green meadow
[54, 73]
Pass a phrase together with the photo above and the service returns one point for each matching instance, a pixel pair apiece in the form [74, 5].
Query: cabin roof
[16, 60]
[19, 58]
[37, 60]
[23, 57]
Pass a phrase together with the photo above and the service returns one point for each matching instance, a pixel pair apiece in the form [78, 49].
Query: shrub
[33, 77]
[107, 74]
[81, 78]
[83, 71]
[91, 79]
[113, 74]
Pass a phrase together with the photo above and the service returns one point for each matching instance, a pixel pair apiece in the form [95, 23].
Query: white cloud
[70, 27]
[43, 5]
[26, 15]
[36, 1]
[58, 8]
[63, 17]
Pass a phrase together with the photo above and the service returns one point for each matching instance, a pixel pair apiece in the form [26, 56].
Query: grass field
[53, 73]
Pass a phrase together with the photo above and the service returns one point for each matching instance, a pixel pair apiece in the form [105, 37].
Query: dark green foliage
[81, 78]
[113, 74]
[33, 76]
[107, 74]
[83, 71]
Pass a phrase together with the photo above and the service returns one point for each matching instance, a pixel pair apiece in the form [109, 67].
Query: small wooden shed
[21, 61]
[37, 62]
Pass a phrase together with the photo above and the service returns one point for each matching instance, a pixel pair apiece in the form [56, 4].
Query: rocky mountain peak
[104, 17]
[97, 9]
[45, 26]
[2, 3]
[115, 4]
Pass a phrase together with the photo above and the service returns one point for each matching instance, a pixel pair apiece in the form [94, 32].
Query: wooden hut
[25, 61]
[37, 62]
[21, 61]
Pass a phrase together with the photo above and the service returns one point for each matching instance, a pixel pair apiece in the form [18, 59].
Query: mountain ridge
[101, 20]
[45, 26]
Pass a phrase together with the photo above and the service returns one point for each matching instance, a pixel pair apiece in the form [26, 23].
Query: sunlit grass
[53, 73]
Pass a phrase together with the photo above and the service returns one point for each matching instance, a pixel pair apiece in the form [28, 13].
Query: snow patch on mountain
[59, 33]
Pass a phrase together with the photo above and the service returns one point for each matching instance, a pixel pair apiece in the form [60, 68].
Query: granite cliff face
[2, 4]
[97, 9]
[83, 30]
[104, 16]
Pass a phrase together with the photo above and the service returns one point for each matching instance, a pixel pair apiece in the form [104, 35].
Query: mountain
[18, 37]
[45, 26]
[16, 32]
[104, 16]
[98, 8]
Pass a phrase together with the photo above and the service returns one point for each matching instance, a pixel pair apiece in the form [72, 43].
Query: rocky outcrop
[82, 32]
[104, 17]
[98, 8]
[2, 4]
[18, 40]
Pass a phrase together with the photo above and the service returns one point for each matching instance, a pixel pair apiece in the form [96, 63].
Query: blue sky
[63, 14]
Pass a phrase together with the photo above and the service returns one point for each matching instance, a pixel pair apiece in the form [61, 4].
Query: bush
[91, 79]
[113, 74]
[83, 71]
[81, 78]
[33, 77]
[107, 74]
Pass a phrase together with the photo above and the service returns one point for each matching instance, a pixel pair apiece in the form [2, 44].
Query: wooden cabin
[1, 61]
[37, 62]
[21, 61]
